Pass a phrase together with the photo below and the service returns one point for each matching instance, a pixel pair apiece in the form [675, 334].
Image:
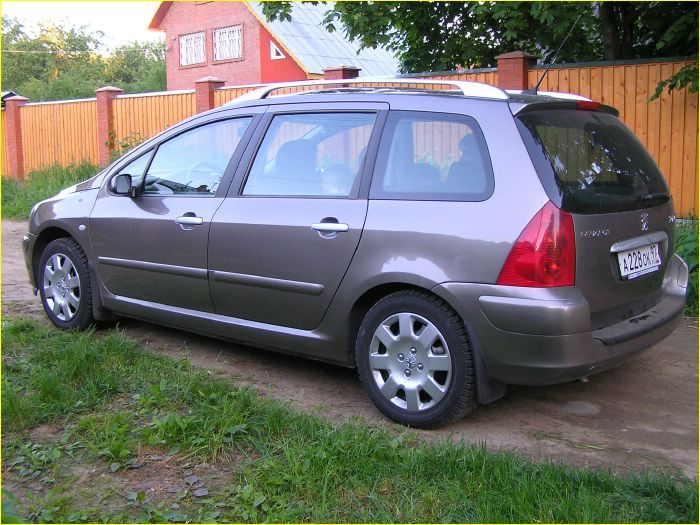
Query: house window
[192, 49]
[228, 43]
[275, 53]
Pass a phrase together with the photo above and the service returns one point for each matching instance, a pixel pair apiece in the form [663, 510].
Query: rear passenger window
[311, 154]
[432, 156]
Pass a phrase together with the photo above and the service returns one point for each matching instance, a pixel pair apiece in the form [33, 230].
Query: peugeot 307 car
[445, 242]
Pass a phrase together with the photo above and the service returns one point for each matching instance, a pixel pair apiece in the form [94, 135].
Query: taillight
[545, 253]
[588, 105]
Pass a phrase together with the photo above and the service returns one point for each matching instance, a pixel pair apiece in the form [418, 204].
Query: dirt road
[643, 414]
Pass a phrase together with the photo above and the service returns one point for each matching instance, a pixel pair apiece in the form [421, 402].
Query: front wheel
[64, 285]
[414, 359]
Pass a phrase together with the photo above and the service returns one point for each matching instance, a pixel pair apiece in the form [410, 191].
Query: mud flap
[488, 389]
[99, 312]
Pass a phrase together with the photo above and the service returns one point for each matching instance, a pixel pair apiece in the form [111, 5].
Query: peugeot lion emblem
[645, 221]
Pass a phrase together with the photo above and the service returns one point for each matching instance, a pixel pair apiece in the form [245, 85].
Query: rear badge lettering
[645, 221]
[595, 233]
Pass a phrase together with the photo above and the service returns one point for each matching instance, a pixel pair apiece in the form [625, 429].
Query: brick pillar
[513, 68]
[204, 92]
[105, 122]
[340, 72]
[14, 135]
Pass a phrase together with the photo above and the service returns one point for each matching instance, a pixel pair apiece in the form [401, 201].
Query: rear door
[282, 241]
[593, 167]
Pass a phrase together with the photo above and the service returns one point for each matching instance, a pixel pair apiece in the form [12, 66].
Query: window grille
[228, 43]
[192, 49]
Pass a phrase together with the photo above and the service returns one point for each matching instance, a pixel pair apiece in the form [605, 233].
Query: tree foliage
[438, 36]
[64, 63]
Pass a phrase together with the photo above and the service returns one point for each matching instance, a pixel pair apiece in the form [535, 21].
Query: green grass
[112, 399]
[18, 196]
[687, 247]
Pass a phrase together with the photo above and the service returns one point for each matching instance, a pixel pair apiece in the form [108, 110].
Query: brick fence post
[105, 122]
[204, 89]
[340, 72]
[14, 135]
[513, 68]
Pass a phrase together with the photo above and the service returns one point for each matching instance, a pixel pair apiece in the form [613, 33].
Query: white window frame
[276, 52]
[228, 43]
[192, 49]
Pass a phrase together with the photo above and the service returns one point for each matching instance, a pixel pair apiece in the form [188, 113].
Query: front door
[154, 247]
[281, 245]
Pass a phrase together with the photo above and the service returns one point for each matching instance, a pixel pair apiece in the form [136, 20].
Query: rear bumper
[537, 336]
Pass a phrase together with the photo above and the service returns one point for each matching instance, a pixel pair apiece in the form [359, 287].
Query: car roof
[384, 89]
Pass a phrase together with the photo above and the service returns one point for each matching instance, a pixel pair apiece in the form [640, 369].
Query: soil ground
[643, 414]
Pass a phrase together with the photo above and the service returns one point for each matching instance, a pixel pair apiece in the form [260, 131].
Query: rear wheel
[414, 360]
[64, 285]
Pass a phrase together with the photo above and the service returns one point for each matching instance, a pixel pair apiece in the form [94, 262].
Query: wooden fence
[144, 116]
[67, 132]
[59, 133]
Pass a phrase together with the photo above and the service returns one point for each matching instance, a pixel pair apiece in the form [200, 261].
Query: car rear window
[589, 162]
[432, 156]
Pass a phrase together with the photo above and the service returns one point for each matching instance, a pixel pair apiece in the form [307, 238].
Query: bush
[687, 247]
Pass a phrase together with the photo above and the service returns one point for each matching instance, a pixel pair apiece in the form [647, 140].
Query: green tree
[65, 63]
[137, 67]
[56, 63]
[437, 36]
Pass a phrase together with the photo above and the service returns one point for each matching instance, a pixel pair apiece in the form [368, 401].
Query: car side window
[432, 156]
[311, 154]
[194, 162]
[136, 167]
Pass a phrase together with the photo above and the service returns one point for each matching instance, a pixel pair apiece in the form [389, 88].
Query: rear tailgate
[610, 245]
[593, 167]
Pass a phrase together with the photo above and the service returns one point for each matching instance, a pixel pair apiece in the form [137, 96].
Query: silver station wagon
[446, 243]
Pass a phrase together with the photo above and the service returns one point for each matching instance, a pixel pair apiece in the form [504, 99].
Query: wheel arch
[47, 235]
[488, 389]
[51, 233]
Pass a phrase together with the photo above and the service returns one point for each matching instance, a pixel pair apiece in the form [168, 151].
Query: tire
[64, 285]
[414, 360]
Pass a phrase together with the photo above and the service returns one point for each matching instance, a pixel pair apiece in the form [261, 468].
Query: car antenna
[533, 91]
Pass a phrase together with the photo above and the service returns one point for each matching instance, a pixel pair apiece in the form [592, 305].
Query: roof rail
[557, 94]
[470, 89]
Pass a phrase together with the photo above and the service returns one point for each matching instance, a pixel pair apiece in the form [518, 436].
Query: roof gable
[157, 20]
[306, 38]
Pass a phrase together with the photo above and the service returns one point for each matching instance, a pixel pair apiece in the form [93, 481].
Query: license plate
[638, 262]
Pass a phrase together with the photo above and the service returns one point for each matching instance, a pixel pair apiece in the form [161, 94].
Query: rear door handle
[330, 227]
[189, 221]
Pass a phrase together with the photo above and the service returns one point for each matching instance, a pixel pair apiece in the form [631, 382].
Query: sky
[121, 22]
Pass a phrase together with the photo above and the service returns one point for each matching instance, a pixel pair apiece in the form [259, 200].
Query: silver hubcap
[61, 287]
[410, 361]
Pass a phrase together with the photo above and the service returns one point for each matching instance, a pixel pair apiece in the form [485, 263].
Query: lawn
[97, 429]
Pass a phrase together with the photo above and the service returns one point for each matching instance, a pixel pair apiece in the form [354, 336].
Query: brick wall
[190, 17]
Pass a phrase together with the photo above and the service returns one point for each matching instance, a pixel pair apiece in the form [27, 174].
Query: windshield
[589, 162]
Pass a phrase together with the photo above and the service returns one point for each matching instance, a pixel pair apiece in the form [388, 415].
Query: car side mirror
[123, 184]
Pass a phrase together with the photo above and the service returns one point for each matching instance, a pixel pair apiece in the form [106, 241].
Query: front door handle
[330, 227]
[186, 220]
